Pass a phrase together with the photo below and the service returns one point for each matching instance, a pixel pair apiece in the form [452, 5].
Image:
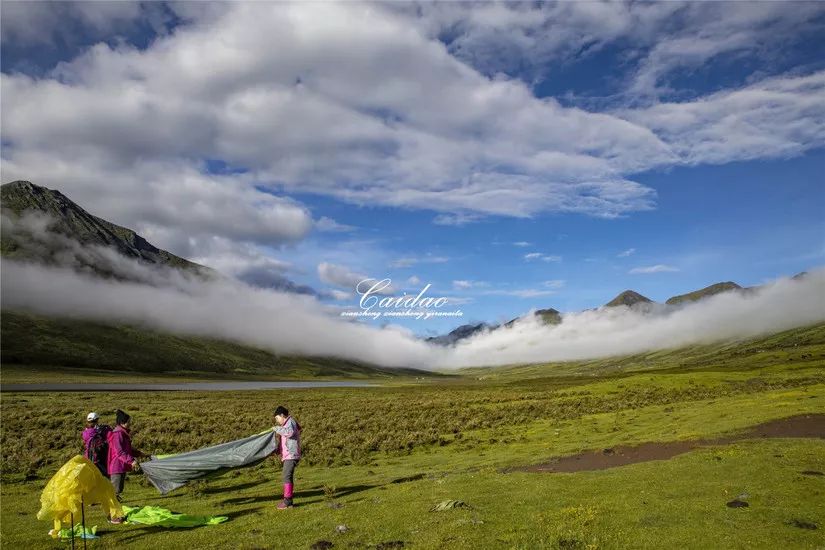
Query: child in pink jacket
[122, 456]
[290, 432]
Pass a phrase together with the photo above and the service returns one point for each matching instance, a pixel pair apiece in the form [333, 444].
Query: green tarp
[161, 517]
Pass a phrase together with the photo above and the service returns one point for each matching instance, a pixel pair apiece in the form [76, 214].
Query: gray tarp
[169, 473]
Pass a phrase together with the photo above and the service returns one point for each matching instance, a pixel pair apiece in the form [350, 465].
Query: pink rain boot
[287, 502]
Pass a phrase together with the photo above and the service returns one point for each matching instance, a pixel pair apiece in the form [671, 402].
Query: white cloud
[409, 261]
[776, 117]
[339, 275]
[413, 281]
[329, 225]
[340, 294]
[348, 122]
[522, 292]
[467, 285]
[456, 220]
[342, 276]
[521, 244]
[658, 268]
[532, 41]
[554, 283]
[45, 22]
[362, 103]
[626, 253]
[172, 203]
[541, 256]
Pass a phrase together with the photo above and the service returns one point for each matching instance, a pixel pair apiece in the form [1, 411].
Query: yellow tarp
[77, 479]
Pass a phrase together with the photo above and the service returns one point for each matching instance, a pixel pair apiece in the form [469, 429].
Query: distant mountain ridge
[628, 298]
[696, 295]
[68, 219]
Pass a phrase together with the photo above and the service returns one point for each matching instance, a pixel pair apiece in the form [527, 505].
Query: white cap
[92, 416]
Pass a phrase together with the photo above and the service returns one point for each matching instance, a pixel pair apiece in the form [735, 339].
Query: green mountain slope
[35, 343]
[69, 220]
[703, 293]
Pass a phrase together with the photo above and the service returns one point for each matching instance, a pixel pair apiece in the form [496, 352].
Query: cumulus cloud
[658, 268]
[626, 253]
[173, 202]
[163, 103]
[353, 101]
[46, 22]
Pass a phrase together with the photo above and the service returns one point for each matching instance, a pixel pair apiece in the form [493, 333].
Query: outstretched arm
[287, 430]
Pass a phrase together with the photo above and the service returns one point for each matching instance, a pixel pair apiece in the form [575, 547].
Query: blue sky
[513, 156]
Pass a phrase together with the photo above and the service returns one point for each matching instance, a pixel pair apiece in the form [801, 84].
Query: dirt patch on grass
[804, 426]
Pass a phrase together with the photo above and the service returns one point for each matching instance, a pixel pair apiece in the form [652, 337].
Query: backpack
[99, 448]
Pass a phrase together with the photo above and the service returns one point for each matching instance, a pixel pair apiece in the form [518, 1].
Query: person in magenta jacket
[122, 456]
[290, 445]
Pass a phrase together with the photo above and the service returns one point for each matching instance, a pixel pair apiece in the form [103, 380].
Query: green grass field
[379, 459]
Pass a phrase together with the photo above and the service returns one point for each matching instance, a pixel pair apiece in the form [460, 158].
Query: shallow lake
[181, 386]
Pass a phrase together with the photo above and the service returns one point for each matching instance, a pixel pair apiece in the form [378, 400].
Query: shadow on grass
[230, 488]
[300, 496]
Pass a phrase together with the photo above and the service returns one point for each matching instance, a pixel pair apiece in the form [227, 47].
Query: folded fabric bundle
[162, 517]
[171, 472]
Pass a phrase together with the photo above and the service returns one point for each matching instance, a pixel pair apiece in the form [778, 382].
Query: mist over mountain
[44, 226]
[30, 210]
[50, 273]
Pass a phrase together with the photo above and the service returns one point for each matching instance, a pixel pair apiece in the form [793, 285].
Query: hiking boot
[286, 503]
[116, 521]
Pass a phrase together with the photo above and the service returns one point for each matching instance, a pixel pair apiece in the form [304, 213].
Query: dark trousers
[117, 482]
[289, 470]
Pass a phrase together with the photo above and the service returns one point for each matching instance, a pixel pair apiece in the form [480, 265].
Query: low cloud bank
[285, 323]
[780, 305]
[291, 324]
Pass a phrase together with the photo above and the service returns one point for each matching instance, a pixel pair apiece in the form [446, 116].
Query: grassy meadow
[378, 460]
